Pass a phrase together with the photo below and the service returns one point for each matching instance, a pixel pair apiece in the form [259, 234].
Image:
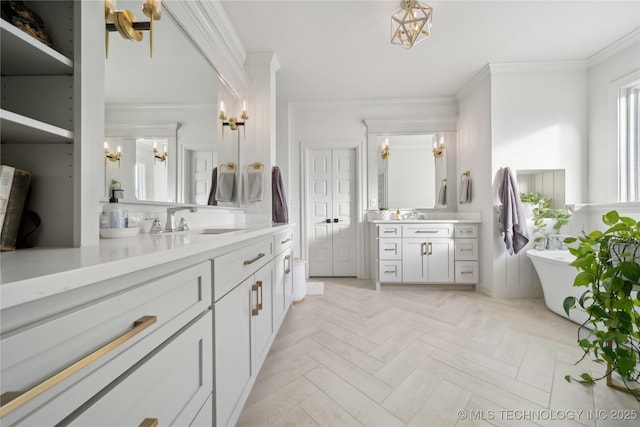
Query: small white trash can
[299, 281]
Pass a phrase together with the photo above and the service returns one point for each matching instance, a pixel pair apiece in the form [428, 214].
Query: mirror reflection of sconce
[112, 157]
[438, 146]
[233, 122]
[161, 157]
[385, 149]
[124, 22]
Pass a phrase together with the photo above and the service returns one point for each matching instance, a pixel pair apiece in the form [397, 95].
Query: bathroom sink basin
[215, 230]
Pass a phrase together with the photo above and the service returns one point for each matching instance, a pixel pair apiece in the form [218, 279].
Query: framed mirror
[414, 174]
[162, 111]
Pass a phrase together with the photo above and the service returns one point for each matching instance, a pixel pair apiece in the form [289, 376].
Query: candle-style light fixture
[438, 146]
[112, 157]
[124, 22]
[233, 122]
[160, 157]
[385, 149]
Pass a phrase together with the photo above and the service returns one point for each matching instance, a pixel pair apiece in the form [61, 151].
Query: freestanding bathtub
[556, 277]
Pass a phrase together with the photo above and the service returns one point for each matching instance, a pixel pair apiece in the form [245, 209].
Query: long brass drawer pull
[17, 399]
[430, 248]
[255, 311]
[288, 239]
[259, 283]
[149, 422]
[251, 261]
[426, 231]
[287, 260]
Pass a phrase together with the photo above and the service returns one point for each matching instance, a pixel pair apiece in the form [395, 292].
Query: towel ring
[229, 165]
[256, 165]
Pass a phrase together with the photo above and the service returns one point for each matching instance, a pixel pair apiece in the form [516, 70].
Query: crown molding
[480, 77]
[208, 27]
[537, 67]
[614, 48]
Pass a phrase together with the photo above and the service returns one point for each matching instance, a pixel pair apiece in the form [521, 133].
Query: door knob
[335, 219]
[328, 220]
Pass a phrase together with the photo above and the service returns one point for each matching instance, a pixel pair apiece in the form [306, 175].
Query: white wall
[341, 124]
[618, 61]
[474, 155]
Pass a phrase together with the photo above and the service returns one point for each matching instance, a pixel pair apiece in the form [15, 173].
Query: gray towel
[464, 190]
[513, 224]
[442, 195]
[226, 185]
[279, 209]
[255, 185]
[214, 187]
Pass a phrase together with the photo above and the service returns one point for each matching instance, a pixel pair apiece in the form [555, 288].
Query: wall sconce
[233, 122]
[438, 146]
[124, 22]
[112, 157]
[161, 157]
[385, 149]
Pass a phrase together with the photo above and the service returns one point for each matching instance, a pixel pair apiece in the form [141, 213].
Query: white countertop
[29, 274]
[425, 221]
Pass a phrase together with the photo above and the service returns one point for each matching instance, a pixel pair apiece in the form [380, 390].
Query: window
[629, 142]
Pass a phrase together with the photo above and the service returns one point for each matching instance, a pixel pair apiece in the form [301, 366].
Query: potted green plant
[543, 215]
[383, 212]
[609, 269]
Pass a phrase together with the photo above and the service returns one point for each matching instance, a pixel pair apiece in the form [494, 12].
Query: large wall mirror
[161, 121]
[414, 174]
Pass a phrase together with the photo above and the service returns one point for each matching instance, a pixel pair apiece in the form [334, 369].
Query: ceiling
[340, 49]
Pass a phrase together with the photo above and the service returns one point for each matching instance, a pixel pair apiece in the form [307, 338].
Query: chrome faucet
[170, 225]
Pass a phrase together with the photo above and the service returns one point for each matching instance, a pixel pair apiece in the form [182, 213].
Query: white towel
[226, 185]
[464, 190]
[255, 185]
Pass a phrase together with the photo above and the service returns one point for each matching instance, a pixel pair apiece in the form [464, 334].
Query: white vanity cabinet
[75, 364]
[426, 252]
[466, 264]
[390, 253]
[283, 280]
[243, 324]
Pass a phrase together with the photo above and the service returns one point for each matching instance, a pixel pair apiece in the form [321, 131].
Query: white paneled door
[202, 164]
[331, 190]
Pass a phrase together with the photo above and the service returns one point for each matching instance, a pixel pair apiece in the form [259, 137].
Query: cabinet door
[171, 385]
[414, 265]
[263, 320]
[440, 260]
[427, 260]
[233, 368]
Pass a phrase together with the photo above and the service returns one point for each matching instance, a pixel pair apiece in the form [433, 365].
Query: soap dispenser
[113, 215]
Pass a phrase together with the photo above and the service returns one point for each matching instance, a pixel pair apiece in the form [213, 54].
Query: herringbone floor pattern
[418, 356]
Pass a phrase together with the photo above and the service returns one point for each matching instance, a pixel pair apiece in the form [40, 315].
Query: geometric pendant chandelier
[411, 24]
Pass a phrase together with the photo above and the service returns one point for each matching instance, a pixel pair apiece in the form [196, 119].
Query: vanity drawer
[231, 269]
[103, 333]
[171, 386]
[466, 249]
[390, 271]
[390, 248]
[427, 230]
[284, 240]
[389, 230]
[466, 272]
[466, 231]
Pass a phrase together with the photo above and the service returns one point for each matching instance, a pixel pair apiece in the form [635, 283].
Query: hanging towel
[214, 186]
[226, 185]
[442, 195]
[279, 209]
[513, 224]
[255, 185]
[464, 189]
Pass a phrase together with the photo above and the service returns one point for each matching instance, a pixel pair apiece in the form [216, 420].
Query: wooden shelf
[35, 58]
[17, 129]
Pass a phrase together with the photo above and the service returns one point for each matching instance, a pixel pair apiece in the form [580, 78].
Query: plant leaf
[610, 218]
[587, 378]
[630, 270]
[568, 304]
